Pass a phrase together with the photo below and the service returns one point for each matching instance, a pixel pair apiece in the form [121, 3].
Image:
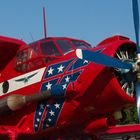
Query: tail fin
[8, 49]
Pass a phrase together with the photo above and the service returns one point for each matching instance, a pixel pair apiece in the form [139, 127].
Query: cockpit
[44, 51]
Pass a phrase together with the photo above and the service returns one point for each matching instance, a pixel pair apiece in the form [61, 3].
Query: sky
[89, 20]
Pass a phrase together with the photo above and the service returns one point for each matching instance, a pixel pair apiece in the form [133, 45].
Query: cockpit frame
[40, 53]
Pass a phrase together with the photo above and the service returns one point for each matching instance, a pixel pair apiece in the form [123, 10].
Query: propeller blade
[102, 59]
[136, 21]
[138, 98]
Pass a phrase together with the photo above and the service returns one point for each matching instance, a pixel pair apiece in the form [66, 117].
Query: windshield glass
[22, 56]
[65, 46]
[49, 48]
[81, 45]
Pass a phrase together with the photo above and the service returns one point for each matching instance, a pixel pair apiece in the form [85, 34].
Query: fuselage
[90, 90]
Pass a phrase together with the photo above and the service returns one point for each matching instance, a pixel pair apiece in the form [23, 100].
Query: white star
[50, 71]
[67, 79]
[48, 86]
[42, 106]
[60, 69]
[52, 113]
[64, 86]
[85, 61]
[40, 113]
[49, 120]
[38, 119]
[57, 105]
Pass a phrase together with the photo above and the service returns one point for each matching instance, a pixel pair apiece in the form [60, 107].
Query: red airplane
[51, 89]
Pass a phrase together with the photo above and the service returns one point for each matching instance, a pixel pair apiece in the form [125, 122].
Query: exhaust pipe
[16, 102]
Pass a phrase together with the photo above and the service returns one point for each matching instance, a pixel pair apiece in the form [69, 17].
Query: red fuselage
[91, 91]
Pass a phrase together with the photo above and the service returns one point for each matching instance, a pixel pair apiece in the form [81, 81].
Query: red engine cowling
[106, 93]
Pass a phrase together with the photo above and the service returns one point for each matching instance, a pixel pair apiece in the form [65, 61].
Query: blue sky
[90, 20]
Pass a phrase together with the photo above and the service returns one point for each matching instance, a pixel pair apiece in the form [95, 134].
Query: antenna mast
[44, 18]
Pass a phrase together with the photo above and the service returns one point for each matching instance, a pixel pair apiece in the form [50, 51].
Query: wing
[106, 129]
[121, 132]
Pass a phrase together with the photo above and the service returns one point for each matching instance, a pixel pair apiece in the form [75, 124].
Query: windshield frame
[87, 45]
[70, 44]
